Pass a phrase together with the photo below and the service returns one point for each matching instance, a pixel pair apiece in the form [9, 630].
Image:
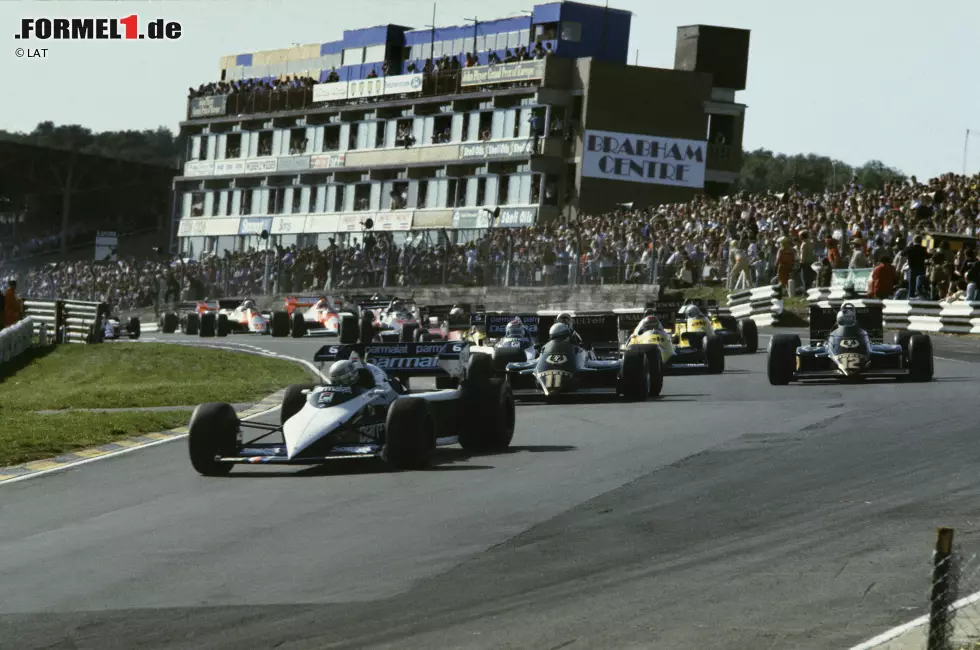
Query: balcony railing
[446, 82]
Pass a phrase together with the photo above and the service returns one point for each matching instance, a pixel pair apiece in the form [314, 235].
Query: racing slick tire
[781, 358]
[749, 332]
[348, 329]
[366, 328]
[213, 431]
[298, 329]
[169, 323]
[409, 434]
[447, 383]
[191, 325]
[655, 363]
[223, 328]
[902, 339]
[279, 324]
[293, 401]
[424, 337]
[920, 358]
[479, 367]
[209, 325]
[487, 418]
[714, 354]
[134, 329]
[634, 376]
[503, 356]
[408, 333]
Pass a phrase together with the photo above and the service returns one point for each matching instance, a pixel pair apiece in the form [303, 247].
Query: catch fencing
[764, 305]
[959, 317]
[951, 593]
[71, 321]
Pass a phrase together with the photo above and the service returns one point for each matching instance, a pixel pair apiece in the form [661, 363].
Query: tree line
[762, 169]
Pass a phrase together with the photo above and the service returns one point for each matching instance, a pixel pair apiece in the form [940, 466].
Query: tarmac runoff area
[728, 514]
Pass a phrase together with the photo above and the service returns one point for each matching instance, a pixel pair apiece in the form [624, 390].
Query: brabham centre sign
[644, 159]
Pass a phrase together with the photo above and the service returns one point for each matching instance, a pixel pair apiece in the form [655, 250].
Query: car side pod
[781, 358]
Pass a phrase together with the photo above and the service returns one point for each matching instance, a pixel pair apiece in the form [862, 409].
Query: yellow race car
[688, 345]
[735, 334]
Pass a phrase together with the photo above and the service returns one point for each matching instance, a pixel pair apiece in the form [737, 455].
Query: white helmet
[847, 316]
[565, 318]
[515, 329]
[648, 324]
[692, 311]
[559, 332]
[342, 373]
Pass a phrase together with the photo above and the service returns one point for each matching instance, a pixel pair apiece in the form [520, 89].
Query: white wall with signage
[394, 85]
[649, 159]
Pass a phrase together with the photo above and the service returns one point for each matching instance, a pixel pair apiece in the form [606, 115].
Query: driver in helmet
[321, 303]
[560, 332]
[565, 319]
[248, 303]
[691, 311]
[847, 316]
[648, 324]
[456, 314]
[516, 330]
[351, 374]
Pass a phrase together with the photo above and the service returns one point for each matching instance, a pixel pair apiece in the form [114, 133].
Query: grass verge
[121, 376]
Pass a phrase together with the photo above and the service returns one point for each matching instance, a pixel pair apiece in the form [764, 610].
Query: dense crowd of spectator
[249, 85]
[737, 241]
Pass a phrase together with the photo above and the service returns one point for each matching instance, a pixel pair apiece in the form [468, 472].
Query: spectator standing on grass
[915, 256]
[883, 279]
[11, 305]
[785, 261]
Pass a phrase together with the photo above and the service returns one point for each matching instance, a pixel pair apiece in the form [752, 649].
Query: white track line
[113, 454]
[891, 634]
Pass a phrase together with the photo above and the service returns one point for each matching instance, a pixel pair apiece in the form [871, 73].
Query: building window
[311, 205]
[233, 145]
[265, 143]
[571, 32]
[374, 54]
[276, 202]
[331, 138]
[297, 206]
[297, 141]
[353, 56]
[197, 204]
[362, 197]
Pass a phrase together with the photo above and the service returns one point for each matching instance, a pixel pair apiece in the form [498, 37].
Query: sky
[856, 80]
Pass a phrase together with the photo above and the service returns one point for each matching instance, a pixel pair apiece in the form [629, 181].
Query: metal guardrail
[16, 339]
[764, 305]
[72, 321]
[958, 317]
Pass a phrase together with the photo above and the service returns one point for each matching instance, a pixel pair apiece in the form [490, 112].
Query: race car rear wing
[441, 314]
[823, 320]
[494, 324]
[440, 358]
[595, 328]
[666, 313]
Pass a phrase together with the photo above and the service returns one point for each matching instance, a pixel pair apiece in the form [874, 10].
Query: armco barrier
[72, 321]
[16, 339]
[958, 317]
[764, 305]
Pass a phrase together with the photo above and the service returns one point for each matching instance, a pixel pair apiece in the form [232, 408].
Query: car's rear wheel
[213, 432]
[209, 325]
[279, 324]
[192, 324]
[298, 329]
[169, 323]
[781, 359]
[714, 354]
[634, 377]
[447, 383]
[134, 330]
[409, 435]
[408, 333]
[479, 367]
[223, 326]
[920, 358]
[487, 416]
[656, 367]
[749, 332]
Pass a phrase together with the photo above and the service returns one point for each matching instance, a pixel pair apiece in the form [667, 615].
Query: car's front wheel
[781, 360]
[213, 432]
[409, 434]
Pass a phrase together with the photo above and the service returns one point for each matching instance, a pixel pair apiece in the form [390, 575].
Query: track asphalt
[727, 514]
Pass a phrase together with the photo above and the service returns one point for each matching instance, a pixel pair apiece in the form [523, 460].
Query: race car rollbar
[377, 418]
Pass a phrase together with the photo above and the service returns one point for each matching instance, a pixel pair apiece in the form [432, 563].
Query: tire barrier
[958, 317]
[72, 321]
[764, 305]
[16, 339]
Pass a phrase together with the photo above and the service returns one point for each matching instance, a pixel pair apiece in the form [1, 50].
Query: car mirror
[306, 391]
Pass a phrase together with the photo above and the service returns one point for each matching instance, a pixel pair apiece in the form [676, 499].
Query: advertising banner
[858, 278]
[496, 149]
[502, 73]
[192, 227]
[327, 160]
[648, 159]
[199, 168]
[229, 167]
[208, 106]
[517, 217]
[289, 225]
[293, 163]
[254, 225]
[105, 246]
[395, 85]
[330, 92]
[394, 221]
[261, 165]
[471, 218]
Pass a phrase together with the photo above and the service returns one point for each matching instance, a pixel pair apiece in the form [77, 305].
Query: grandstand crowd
[737, 241]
